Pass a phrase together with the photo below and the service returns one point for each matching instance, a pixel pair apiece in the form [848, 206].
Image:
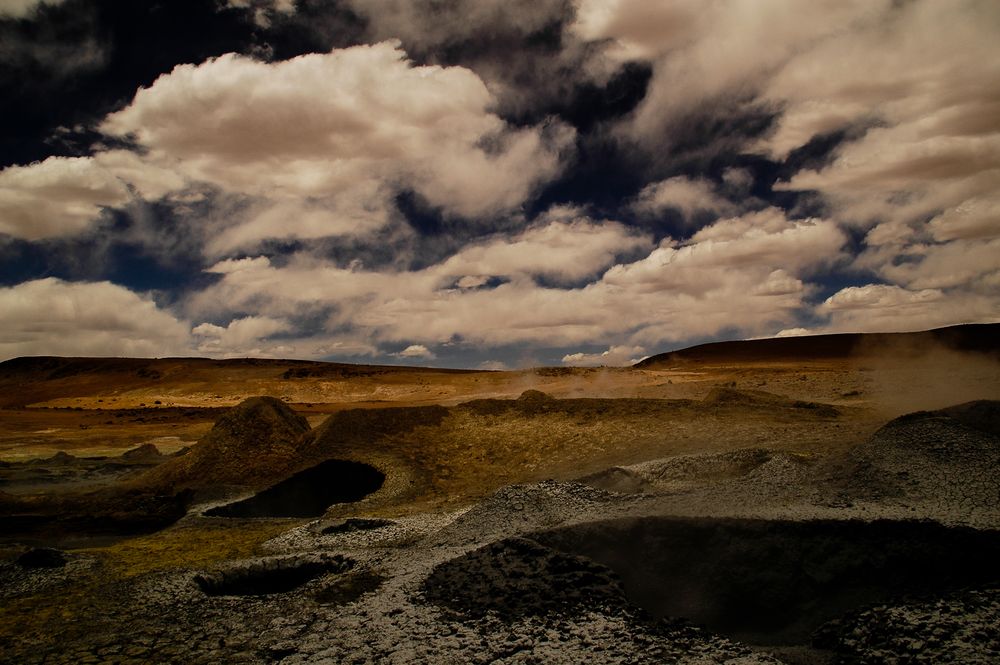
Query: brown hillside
[980, 338]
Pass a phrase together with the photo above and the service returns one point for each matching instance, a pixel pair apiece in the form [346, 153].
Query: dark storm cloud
[69, 64]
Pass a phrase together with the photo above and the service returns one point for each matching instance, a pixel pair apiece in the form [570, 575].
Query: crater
[352, 524]
[308, 493]
[775, 582]
[269, 576]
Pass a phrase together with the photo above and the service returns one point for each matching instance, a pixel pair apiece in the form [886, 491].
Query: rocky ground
[552, 572]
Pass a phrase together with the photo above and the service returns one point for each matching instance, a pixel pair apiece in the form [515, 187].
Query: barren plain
[824, 499]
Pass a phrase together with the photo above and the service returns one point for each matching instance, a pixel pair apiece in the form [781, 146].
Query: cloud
[53, 317]
[341, 132]
[922, 178]
[426, 23]
[416, 351]
[615, 356]
[522, 49]
[56, 197]
[263, 11]
[564, 251]
[494, 365]
[763, 245]
[793, 332]
[242, 337]
[886, 307]
[710, 56]
[23, 8]
[688, 195]
[747, 271]
[297, 219]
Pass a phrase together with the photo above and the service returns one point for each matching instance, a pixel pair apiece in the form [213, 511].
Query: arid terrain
[799, 500]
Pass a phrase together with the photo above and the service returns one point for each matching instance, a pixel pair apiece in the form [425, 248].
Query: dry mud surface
[749, 517]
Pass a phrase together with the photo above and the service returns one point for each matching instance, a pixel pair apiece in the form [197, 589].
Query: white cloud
[148, 180]
[299, 219]
[241, 337]
[747, 271]
[560, 250]
[793, 332]
[416, 351]
[615, 356]
[884, 307]
[711, 50]
[763, 246]
[494, 365]
[688, 195]
[335, 136]
[236, 265]
[53, 317]
[57, 197]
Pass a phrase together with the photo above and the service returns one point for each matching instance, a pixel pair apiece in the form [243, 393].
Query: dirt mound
[253, 444]
[147, 452]
[725, 396]
[958, 628]
[678, 473]
[518, 577]
[359, 428]
[983, 415]
[930, 457]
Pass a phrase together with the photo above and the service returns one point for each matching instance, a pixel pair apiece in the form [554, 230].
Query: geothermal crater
[774, 582]
[308, 493]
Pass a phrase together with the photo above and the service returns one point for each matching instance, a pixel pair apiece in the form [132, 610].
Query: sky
[492, 183]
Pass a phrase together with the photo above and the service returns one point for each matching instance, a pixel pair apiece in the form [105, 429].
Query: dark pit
[775, 582]
[352, 524]
[269, 576]
[308, 493]
[42, 557]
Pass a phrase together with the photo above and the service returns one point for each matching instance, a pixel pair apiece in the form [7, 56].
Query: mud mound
[252, 444]
[963, 627]
[774, 582]
[147, 452]
[759, 399]
[983, 415]
[308, 493]
[518, 577]
[269, 576]
[678, 473]
[930, 457]
[359, 428]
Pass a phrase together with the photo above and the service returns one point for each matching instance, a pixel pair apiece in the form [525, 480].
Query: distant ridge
[54, 367]
[980, 337]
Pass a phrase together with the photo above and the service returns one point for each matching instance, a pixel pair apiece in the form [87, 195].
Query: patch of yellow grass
[189, 547]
